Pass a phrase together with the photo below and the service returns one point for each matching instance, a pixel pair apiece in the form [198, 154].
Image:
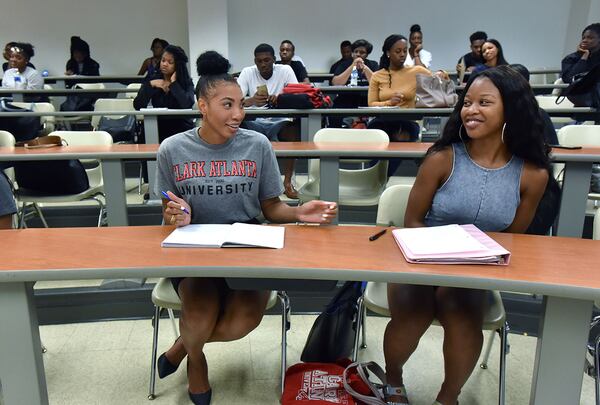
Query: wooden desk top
[282, 149]
[555, 266]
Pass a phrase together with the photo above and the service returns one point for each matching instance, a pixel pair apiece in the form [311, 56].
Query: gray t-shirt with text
[222, 183]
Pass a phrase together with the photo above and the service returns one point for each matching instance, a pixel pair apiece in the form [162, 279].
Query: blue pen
[169, 198]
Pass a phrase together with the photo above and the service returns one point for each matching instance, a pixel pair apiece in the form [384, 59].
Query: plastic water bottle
[354, 77]
[45, 73]
[19, 81]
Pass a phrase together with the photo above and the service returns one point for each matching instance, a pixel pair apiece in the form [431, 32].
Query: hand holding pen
[177, 211]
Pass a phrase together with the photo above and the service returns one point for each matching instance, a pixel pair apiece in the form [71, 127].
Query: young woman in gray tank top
[490, 168]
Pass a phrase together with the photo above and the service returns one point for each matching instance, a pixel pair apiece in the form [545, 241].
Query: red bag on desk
[320, 384]
[314, 94]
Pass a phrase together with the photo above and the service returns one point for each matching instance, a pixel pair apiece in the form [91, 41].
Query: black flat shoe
[201, 399]
[165, 367]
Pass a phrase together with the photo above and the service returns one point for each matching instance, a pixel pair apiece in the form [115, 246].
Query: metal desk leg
[21, 365]
[576, 185]
[151, 133]
[114, 187]
[329, 187]
[314, 124]
[561, 350]
[304, 129]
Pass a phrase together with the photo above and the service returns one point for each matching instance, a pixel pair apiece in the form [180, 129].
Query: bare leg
[289, 133]
[199, 315]
[412, 308]
[460, 312]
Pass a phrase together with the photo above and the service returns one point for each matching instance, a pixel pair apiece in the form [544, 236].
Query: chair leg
[488, 349]
[285, 326]
[357, 326]
[38, 210]
[172, 318]
[502, 373]
[21, 217]
[155, 322]
[597, 369]
[364, 328]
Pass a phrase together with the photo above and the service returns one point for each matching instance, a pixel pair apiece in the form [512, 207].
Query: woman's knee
[199, 305]
[411, 302]
[241, 316]
[461, 308]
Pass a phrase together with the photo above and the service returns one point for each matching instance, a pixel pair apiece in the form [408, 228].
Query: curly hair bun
[415, 28]
[212, 63]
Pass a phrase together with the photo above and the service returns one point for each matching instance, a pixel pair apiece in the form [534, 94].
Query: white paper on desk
[236, 235]
[459, 244]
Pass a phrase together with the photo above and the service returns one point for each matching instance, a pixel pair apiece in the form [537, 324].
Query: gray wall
[119, 31]
[537, 33]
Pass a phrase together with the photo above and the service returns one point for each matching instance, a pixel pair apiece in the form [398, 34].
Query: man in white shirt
[253, 80]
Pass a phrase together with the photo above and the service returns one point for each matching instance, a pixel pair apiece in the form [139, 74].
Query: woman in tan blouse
[395, 85]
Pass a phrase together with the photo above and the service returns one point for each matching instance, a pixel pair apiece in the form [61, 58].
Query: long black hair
[524, 132]
[181, 59]
[212, 67]
[384, 60]
[500, 58]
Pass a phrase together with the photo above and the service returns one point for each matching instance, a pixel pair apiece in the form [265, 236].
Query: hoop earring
[503, 128]
[460, 132]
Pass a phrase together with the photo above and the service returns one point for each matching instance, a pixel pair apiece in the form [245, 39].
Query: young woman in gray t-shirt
[220, 174]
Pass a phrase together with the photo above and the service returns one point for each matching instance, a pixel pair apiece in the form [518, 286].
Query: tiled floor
[108, 363]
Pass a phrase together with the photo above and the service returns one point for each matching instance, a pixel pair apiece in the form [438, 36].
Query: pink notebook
[449, 244]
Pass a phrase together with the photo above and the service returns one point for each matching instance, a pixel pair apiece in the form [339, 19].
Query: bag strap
[362, 370]
[41, 142]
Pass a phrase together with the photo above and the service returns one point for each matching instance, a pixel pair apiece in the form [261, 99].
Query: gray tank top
[473, 194]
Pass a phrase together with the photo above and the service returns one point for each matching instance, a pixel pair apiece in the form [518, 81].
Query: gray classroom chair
[392, 206]
[582, 135]
[357, 187]
[164, 296]
[30, 199]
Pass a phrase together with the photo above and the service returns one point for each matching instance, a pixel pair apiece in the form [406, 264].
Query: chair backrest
[48, 121]
[7, 139]
[84, 138]
[549, 103]
[556, 92]
[583, 135]
[94, 86]
[111, 104]
[392, 205]
[134, 87]
[351, 135]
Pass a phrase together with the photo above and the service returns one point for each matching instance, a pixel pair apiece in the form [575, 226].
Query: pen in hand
[169, 198]
[377, 235]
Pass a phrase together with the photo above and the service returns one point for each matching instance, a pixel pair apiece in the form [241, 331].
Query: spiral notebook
[216, 236]
[450, 244]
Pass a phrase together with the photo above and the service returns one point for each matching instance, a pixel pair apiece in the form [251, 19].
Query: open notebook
[236, 235]
[460, 244]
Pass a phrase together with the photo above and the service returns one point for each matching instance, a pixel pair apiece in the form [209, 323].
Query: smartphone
[570, 147]
[262, 90]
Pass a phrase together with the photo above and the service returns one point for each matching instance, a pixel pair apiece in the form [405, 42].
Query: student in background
[151, 65]
[20, 75]
[7, 202]
[583, 60]
[469, 60]
[253, 80]
[6, 55]
[286, 53]
[417, 56]
[171, 87]
[364, 67]
[395, 85]
[346, 52]
[211, 311]
[490, 168]
[81, 63]
[492, 54]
